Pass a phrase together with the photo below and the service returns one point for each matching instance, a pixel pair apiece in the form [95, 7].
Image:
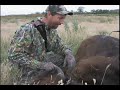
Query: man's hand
[69, 60]
[49, 67]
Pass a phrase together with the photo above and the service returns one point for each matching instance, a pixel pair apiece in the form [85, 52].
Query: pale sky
[29, 9]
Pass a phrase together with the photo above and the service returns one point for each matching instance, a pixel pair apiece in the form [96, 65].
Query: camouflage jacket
[27, 47]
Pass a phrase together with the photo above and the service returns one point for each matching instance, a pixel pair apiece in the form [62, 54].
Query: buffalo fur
[94, 68]
[98, 45]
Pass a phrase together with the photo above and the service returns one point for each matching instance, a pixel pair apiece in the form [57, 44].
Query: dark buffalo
[97, 59]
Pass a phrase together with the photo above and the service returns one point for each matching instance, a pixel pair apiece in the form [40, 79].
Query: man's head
[55, 15]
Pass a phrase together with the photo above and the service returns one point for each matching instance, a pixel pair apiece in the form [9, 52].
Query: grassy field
[75, 29]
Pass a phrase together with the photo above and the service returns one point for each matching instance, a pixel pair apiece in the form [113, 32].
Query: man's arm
[65, 50]
[61, 47]
[19, 48]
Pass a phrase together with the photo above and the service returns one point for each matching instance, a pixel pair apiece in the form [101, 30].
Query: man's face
[56, 20]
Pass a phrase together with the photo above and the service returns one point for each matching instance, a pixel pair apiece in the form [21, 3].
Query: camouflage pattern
[27, 49]
[59, 9]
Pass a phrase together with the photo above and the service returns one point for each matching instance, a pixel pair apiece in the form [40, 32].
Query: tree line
[80, 10]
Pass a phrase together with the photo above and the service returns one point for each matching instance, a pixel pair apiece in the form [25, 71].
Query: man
[36, 45]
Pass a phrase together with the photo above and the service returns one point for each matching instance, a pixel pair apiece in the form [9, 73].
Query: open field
[73, 32]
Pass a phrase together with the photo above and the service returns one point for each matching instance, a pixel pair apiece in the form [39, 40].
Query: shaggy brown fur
[94, 55]
[94, 67]
[98, 45]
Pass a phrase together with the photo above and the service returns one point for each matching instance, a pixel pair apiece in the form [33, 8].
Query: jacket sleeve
[19, 49]
[61, 47]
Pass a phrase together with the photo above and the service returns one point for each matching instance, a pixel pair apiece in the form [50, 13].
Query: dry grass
[87, 26]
